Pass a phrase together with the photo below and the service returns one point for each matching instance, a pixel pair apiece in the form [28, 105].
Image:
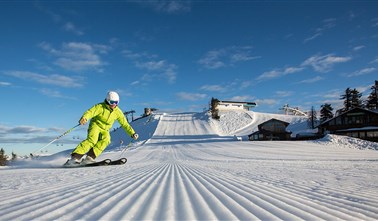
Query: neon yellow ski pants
[93, 141]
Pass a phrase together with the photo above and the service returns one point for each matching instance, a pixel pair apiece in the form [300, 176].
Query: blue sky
[58, 58]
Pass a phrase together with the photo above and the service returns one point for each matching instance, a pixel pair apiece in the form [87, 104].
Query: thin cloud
[359, 47]
[374, 22]
[70, 27]
[374, 61]
[316, 35]
[4, 84]
[245, 98]
[269, 102]
[167, 6]
[77, 56]
[269, 75]
[59, 19]
[324, 63]
[279, 73]
[166, 70]
[190, 96]
[156, 68]
[22, 129]
[224, 57]
[362, 72]
[214, 88]
[54, 79]
[327, 24]
[54, 93]
[211, 60]
[311, 80]
[284, 93]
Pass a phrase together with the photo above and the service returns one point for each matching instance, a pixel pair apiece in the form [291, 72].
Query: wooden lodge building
[272, 129]
[358, 122]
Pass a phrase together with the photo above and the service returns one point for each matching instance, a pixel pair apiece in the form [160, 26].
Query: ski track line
[342, 198]
[226, 188]
[342, 205]
[301, 207]
[347, 202]
[339, 200]
[140, 197]
[167, 182]
[228, 205]
[347, 206]
[36, 203]
[126, 197]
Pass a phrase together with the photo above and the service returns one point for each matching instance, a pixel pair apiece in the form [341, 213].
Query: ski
[100, 163]
[118, 162]
[105, 162]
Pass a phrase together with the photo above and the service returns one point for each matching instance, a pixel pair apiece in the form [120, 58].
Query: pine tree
[14, 156]
[3, 158]
[372, 100]
[213, 107]
[326, 112]
[356, 99]
[347, 97]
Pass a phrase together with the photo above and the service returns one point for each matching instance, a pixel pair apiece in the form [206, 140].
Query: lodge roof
[349, 111]
[239, 102]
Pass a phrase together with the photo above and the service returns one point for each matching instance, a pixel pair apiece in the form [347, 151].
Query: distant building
[358, 122]
[272, 129]
[235, 105]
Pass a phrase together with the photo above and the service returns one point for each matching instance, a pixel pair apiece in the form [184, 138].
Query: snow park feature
[187, 166]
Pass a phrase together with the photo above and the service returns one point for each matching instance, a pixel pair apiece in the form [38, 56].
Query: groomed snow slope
[186, 171]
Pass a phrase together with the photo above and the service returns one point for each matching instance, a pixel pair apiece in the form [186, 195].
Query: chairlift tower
[292, 111]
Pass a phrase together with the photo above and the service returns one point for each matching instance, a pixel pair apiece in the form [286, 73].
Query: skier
[102, 117]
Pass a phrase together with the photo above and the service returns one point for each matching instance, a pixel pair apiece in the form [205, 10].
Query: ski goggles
[113, 102]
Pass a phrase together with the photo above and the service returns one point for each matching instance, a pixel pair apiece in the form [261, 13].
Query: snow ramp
[184, 128]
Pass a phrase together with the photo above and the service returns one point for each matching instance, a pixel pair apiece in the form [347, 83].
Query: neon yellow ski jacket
[104, 117]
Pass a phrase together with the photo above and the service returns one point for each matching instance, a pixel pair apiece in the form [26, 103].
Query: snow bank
[347, 142]
[231, 121]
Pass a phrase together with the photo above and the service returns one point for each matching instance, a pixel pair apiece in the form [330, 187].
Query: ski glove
[135, 136]
[82, 121]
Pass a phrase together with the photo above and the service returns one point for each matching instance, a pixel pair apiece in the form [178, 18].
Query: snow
[187, 166]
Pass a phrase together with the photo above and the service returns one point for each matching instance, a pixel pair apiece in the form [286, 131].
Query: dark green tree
[213, 108]
[326, 112]
[3, 158]
[347, 97]
[372, 100]
[356, 99]
[14, 156]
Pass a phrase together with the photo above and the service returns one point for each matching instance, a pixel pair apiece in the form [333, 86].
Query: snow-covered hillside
[243, 123]
[188, 167]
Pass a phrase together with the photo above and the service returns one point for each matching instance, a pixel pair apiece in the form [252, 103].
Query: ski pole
[57, 138]
[127, 147]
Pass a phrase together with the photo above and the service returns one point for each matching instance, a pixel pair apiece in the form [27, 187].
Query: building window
[362, 134]
[372, 134]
